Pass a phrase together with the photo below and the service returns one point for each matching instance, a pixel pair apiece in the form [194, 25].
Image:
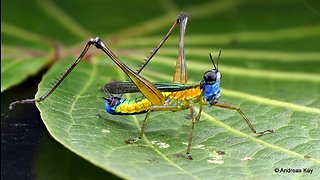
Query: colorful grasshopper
[175, 96]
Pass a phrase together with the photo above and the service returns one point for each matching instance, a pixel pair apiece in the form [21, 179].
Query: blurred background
[35, 34]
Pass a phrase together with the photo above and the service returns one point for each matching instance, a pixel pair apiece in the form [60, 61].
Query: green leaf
[15, 71]
[75, 116]
[270, 67]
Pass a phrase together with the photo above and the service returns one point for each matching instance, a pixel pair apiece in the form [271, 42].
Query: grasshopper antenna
[219, 57]
[214, 65]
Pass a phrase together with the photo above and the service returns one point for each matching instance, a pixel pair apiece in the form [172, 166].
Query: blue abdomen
[112, 103]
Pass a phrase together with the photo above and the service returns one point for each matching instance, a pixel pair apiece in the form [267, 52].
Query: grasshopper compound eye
[211, 76]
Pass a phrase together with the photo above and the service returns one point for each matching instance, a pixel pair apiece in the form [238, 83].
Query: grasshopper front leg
[232, 107]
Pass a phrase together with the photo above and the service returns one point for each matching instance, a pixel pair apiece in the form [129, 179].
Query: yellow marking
[134, 107]
[166, 94]
[131, 108]
[141, 107]
[124, 109]
[182, 95]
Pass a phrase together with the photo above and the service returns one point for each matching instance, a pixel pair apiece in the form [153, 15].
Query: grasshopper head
[211, 83]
